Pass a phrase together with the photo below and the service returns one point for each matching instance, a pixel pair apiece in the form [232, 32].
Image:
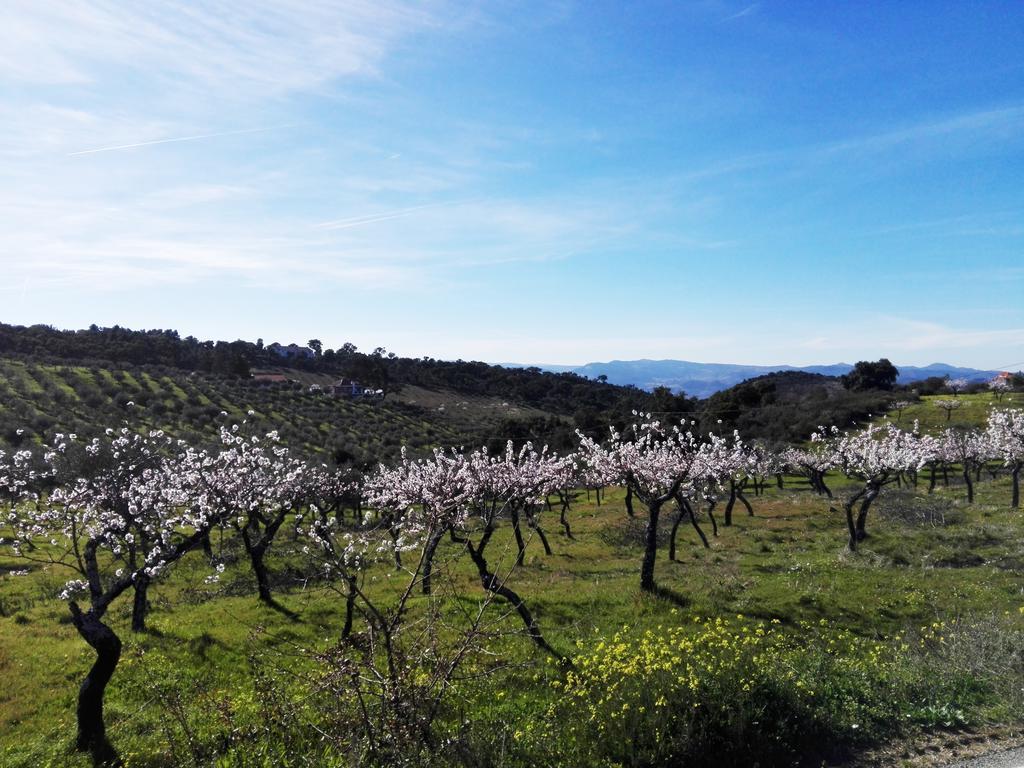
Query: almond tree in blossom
[956, 386]
[1005, 437]
[999, 387]
[712, 466]
[654, 464]
[970, 449]
[116, 528]
[813, 464]
[252, 484]
[463, 498]
[899, 406]
[874, 456]
[948, 406]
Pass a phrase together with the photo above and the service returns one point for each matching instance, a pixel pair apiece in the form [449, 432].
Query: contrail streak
[358, 221]
[178, 138]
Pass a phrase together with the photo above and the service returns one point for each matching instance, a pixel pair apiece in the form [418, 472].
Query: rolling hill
[705, 379]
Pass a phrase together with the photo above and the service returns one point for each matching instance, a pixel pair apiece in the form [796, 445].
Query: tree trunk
[743, 500]
[350, 606]
[1015, 476]
[259, 568]
[428, 560]
[862, 516]
[970, 484]
[696, 525]
[564, 520]
[825, 488]
[650, 547]
[140, 603]
[711, 517]
[848, 506]
[543, 538]
[629, 501]
[92, 732]
[931, 479]
[520, 543]
[672, 536]
[730, 504]
[495, 586]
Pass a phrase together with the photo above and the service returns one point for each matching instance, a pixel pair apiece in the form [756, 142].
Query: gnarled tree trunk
[92, 732]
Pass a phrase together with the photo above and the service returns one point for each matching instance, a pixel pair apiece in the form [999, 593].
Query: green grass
[973, 412]
[788, 563]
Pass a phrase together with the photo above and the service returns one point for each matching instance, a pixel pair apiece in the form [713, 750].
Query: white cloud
[237, 46]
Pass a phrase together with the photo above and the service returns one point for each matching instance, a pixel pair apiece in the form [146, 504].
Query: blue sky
[769, 182]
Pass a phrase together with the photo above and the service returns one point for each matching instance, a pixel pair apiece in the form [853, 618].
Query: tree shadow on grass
[664, 593]
[284, 611]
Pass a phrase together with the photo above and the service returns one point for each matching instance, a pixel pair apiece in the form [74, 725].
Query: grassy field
[973, 411]
[788, 564]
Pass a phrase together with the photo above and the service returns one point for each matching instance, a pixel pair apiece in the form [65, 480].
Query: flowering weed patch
[751, 694]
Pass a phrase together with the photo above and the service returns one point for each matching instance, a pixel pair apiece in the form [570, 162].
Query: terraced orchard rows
[38, 399]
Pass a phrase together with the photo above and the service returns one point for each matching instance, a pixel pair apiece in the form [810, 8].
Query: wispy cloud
[177, 139]
[358, 221]
[236, 46]
[752, 8]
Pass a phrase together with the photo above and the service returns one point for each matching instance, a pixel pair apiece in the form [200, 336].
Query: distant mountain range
[704, 379]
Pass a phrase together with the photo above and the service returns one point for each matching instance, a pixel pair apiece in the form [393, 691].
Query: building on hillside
[352, 388]
[270, 378]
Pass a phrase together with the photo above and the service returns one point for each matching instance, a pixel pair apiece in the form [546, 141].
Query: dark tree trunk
[931, 479]
[743, 500]
[629, 501]
[1015, 477]
[970, 484]
[672, 537]
[141, 603]
[650, 547]
[730, 504]
[862, 515]
[207, 546]
[259, 568]
[350, 606]
[428, 560]
[496, 586]
[848, 506]
[543, 538]
[564, 520]
[520, 543]
[945, 476]
[711, 517]
[778, 481]
[92, 732]
[825, 488]
[695, 524]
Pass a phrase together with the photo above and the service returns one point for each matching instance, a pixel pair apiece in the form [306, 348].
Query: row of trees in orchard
[877, 457]
[119, 511]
